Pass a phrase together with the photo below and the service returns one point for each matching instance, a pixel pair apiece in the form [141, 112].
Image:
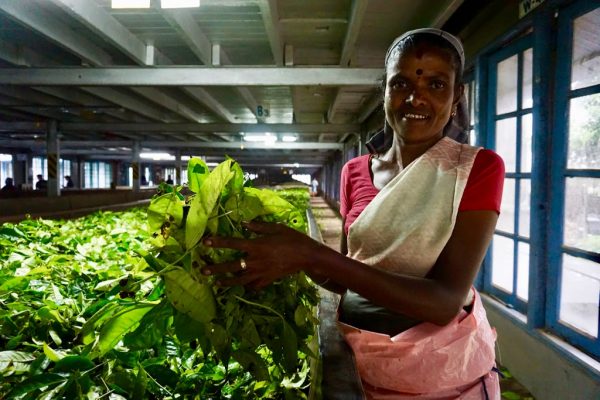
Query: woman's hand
[277, 252]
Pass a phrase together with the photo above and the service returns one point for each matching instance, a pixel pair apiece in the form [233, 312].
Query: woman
[418, 218]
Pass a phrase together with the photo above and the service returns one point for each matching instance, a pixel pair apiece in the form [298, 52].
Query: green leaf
[204, 202]
[197, 173]
[16, 284]
[163, 375]
[114, 330]
[151, 329]
[189, 296]
[16, 356]
[73, 363]
[511, 396]
[289, 343]
[53, 355]
[164, 210]
[253, 363]
[34, 383]
[141, 382]
[87, 332]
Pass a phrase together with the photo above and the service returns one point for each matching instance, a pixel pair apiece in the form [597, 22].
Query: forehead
[426, 57]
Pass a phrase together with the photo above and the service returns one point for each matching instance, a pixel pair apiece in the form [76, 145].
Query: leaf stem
[260, 306]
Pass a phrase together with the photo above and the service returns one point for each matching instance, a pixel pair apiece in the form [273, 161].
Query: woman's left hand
[277, 252]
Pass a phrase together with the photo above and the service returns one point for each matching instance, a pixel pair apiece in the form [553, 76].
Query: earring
[453, 113]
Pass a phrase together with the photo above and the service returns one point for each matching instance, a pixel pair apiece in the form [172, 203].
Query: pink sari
[418, 209]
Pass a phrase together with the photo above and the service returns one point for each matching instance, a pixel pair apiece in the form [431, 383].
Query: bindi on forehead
[419, 71]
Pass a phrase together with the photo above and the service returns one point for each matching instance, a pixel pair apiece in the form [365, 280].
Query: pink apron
[418, 209]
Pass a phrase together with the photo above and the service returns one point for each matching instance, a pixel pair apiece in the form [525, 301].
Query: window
[6, 168]
[470, 89]
[97, 175]
[39, 167]
[65, 170]
[510, 130]
[574, 240]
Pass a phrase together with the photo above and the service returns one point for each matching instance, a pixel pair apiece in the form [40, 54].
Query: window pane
[523, 271]
[506, 220]
[503, 263]
[506, 93]
[524, 206]
[526, 136]
[586, 51]
[582, 214]
[527, 98]
[584, 132]
[506, 142]
[579, 294]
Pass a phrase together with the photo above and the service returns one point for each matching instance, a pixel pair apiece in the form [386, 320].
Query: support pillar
[136, 166]
[53, 155]
[178, 167]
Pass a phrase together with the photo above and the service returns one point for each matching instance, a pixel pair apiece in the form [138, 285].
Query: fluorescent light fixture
[289, 138]
[267, 138]
[157, 156]
[185, 158]
[130, 4]
[179, 3]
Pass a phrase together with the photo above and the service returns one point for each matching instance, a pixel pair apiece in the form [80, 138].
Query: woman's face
[420, 93]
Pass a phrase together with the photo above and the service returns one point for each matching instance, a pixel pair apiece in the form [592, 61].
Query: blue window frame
[574, 238]
[509, 126]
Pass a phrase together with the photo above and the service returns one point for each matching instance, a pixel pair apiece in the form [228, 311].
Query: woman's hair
[415, 40]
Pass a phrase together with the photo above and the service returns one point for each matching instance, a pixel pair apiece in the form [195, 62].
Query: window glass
[503, 263]
[523, 271]
[527, 98]
[526, 138]
[506, 142]
[584, 132]
[506, 94]
[524, 206]
[585, 66]
[506, 219]
[579, 294]
[6, 168]
[582, 214]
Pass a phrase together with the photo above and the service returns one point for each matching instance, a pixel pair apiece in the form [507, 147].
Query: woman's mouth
[415, 116]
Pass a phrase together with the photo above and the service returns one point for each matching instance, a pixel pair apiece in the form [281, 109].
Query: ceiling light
[130, 4]
[157, 156]
[179, 3]
[267, 138]
[289, 138]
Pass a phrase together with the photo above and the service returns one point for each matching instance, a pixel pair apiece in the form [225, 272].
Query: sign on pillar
[135, 169]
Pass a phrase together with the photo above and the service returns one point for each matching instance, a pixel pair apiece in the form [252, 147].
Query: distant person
[9, 186]
[314, 186]
[69, 182]
[41, 183]
[144, 181]
[169, 180]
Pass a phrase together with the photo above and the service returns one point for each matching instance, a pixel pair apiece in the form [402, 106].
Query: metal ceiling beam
[375, 101]
[106, 26]
[446, 13]
[359, 8]
[32, 15]
[270, 16]
[184, 127]
[184, 76]
[163, 145]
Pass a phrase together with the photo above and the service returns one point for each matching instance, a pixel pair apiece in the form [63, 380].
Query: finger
[227, 242]
[216, 269]
[264, 227]
[243, 280]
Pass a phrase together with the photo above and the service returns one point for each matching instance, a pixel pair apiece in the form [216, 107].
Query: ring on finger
[243, 264]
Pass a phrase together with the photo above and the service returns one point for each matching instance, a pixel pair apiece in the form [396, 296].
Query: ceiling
[198, 81]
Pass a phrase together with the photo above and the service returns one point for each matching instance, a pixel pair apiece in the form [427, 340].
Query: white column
[53, 155]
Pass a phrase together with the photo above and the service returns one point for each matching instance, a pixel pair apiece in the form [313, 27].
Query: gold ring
[243, 264]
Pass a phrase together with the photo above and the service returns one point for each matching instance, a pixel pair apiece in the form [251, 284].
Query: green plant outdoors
[113, 306]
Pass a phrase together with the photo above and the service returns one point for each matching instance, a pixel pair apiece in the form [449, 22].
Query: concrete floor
[330, 225]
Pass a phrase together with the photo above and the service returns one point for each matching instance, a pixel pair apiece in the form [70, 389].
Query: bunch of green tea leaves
[266, 332]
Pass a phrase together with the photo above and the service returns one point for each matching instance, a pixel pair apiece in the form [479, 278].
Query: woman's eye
[438, 84]
[399, 85]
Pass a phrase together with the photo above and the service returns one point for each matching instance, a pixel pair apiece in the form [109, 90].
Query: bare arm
[436, 298]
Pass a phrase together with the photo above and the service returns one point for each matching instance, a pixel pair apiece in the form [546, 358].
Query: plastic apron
[408, 223]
